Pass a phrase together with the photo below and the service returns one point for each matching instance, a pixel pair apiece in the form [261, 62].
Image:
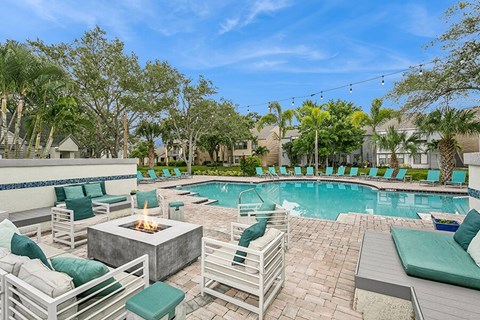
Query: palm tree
[7, 69]
[448, 122]
[314, 120]
[280, 118]
[376, 118]
[150, 131]
[261, 152]
[395, 141]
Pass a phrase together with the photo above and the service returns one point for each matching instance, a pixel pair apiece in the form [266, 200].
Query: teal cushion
[24, 246]
[93, 190]
[7, 230]
[267, 206]
[60, 194]
[82, 208]
[83, 271]
[176, 204]
[147, 196]
[468, 229]
[110, 199]
[74, 192]
[251, 233]
[156, 301]
[436, 256]
[102, 185]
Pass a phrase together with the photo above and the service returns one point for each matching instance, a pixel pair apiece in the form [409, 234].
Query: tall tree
[150, 131]
[448, 123]
[315, 120]
[280, 118]
[261, 152]
[377, 117]
[395, 141]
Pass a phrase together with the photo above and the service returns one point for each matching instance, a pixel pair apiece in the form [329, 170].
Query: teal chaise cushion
[24, 246]
[436, 256]
[468, 229]
[82, 208]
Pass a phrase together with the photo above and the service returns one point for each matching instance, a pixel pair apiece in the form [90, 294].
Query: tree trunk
[17, 127]
[394, 162]
[447, 150]
[5, 128]
[166, 154]
[151, 155]
[32, 136]
[190, 156]
[316, 152]
[49, 143]
[37, 142]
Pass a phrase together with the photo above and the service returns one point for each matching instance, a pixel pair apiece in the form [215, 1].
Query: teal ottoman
[158, 301]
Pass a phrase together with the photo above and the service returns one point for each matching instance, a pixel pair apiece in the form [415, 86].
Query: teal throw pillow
[150, 197]
[83, 271]
[267, 206]
[60, 194]
[82, 208]
[102, 185]
[74, 192]
[93, 190]
[468, 229]
[24, 246]
[251, 233]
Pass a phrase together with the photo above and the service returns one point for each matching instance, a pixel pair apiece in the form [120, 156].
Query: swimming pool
[325, 200]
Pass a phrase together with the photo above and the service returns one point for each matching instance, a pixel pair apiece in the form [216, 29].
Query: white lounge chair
[157, 211]
[261, 275]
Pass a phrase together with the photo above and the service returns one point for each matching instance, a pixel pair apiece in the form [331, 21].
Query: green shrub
[248, 165]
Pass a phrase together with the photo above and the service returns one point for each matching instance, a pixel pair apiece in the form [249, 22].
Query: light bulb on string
[351, 89]
[248, 109]
[421, 70]
[383, 80]
[321, 95]
[293, 102]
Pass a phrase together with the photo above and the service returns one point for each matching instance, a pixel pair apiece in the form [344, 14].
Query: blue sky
[254, 51]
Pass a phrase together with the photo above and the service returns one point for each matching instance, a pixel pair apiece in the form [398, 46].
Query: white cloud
[417, 20]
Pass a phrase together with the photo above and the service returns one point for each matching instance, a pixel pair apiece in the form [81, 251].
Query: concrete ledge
[5, 163]
[472, 158]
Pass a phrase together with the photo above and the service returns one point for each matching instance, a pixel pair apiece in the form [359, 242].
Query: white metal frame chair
[160, 211]
[278, 219]
[266, 280]
[106, 208]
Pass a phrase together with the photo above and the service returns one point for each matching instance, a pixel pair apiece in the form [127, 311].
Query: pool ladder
[244, 191]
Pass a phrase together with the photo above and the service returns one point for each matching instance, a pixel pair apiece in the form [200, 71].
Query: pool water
[326, 200]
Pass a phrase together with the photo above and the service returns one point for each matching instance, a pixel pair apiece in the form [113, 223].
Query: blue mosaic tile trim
[47, 183]
[474, 193]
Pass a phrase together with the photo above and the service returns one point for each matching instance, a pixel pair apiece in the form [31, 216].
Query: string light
[293, 102]
[351, 89]
[321, 95]
[383, 80]
[421, 70]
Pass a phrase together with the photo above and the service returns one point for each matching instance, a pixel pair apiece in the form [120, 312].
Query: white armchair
[158, 211]
[261, 275]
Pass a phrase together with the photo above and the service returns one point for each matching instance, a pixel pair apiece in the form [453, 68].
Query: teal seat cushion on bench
[110, 199]
[436, 256]
[155, 301]
[82, 208]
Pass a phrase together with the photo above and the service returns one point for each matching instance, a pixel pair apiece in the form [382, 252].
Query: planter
[445, 224]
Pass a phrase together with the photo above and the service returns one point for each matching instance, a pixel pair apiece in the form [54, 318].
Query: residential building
[267, 137]
[67, 148]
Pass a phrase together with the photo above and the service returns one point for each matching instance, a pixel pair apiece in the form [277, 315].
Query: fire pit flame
[144, 224]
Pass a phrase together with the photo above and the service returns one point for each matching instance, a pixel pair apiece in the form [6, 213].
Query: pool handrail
[241, 193]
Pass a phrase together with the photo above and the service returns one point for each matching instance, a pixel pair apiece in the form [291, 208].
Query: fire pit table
[170, 244]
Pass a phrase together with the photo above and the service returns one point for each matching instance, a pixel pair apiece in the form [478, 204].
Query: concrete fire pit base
[169, 250]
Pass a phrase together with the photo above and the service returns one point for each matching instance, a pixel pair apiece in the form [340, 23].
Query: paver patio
[320, 263]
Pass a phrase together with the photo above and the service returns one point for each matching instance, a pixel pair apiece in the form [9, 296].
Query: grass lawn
[417, 174]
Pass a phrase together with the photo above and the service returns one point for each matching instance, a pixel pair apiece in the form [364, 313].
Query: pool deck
[320, 263]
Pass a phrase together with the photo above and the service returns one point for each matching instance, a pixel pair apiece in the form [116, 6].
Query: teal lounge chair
[433, 177]
[310, 172]
[298, 172]
[340, 172]
[142, 179]
[167, 175]
[273, 172]
[372, 174]
[328, 171]
[458, 179]
[181, 175]
[400, 175]
[260, 172]
[387, 175]
[353, 172]
[283, 172]
[153, 175]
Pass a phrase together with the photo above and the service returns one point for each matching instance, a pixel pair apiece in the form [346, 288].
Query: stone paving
[320, 263]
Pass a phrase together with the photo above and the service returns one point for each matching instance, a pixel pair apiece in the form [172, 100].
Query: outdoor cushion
[93, 190]
[474, 249]
[434, 255]
[102, 185]
[74, 192]
[156, 301]
[7, 230]
[260, 244]
[52, 283]
[24, 246]
[107, 198]
[83, 271]
[10, 262]
[60, 194]
[266, 206]
[82, 208]
[150, 197]
[468, 229]
[249, 234]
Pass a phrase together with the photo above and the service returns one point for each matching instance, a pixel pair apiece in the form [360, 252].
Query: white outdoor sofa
[262, 275]
[20, 300]
[278, 218]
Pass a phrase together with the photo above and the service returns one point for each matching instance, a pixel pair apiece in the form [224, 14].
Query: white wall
[27, 171]
[473, 161]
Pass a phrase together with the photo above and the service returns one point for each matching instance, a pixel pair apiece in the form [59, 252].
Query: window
[241, 145]
[254, 145]
[420, 158]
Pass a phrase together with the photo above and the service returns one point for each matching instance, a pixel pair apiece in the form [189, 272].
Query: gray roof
[265, 132]
[292, 133]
